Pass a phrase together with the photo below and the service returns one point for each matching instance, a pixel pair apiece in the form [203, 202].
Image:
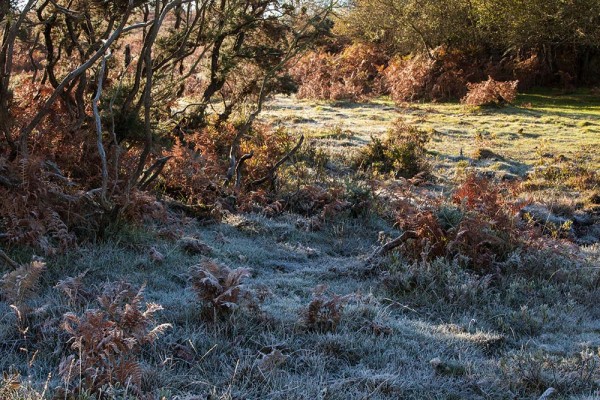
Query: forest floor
[426, 330]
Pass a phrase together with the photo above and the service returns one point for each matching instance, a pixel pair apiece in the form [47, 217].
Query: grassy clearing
[405, 329]
[539, 123]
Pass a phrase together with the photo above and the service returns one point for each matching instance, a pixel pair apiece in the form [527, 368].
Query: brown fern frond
[18, 286]
[324, 312]
[74, 288]
[218, 286]
[106, 341]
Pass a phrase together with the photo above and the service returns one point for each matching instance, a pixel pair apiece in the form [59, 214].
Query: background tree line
[565, 34]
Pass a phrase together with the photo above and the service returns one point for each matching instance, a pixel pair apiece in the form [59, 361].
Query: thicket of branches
[92, 111]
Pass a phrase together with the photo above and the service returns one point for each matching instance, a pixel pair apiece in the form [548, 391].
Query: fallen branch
[389, 246]
[9, 261]
[271, 173]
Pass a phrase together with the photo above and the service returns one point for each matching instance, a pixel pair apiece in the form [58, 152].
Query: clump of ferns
[18, 287]
[220, 288]
[106, 342]
[324, 312]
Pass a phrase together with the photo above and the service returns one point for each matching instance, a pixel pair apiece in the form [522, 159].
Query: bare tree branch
[99, 143]
[271, 173]
[8, 261]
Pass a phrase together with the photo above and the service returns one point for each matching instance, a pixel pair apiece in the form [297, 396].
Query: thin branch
[271, 173]
[153, 172]
[9, 261]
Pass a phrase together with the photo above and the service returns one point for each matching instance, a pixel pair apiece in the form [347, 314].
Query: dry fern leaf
[194, 246]
[271, 361]
[74, 288]
[218, 285]
[20, 285]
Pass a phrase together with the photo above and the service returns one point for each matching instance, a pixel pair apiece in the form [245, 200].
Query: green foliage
[402, 152]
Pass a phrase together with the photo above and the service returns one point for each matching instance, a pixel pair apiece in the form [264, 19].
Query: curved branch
[238, 169]
[271, 173]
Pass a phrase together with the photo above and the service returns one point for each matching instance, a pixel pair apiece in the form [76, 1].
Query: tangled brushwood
[92, 122]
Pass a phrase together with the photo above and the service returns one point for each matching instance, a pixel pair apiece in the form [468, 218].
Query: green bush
[402, 151]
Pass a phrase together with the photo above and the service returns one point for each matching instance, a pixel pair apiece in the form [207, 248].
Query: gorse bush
[402, 152]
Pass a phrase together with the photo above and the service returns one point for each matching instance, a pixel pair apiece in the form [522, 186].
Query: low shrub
[402, 151]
